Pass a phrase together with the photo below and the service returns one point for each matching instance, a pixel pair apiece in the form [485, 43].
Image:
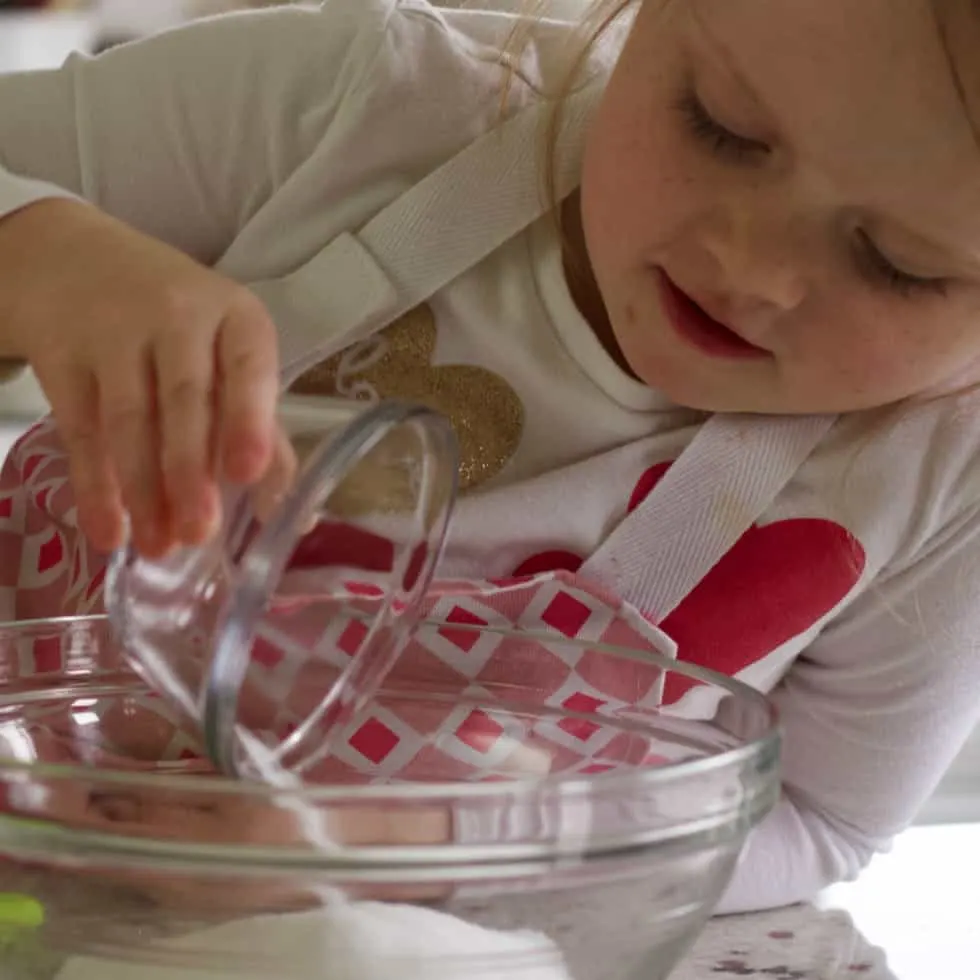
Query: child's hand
[224, 821]
[162, 374]
[155, 812]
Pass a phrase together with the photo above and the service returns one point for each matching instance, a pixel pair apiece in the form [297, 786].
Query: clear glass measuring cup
[272, 634]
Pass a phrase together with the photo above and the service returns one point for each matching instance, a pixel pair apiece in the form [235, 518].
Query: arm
[874, 713]
[178, 141]
[184, 135]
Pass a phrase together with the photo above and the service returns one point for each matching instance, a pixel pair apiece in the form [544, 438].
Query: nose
[756, 254]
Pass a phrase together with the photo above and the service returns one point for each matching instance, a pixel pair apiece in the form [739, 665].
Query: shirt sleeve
[186, 134]
[874, 713]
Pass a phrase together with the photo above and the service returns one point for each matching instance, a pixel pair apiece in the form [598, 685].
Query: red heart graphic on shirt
[774, 584]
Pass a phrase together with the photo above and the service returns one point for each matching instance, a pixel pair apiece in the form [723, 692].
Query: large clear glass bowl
[586, 840]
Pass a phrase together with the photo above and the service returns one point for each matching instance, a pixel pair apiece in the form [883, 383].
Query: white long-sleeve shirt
[252, 141]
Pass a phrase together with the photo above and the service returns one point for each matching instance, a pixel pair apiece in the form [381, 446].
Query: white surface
[920, 904]
[362, 941]
[912, 916]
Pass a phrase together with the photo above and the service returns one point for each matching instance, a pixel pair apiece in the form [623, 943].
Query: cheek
[887, 347]
[639, 188]
[640, 168]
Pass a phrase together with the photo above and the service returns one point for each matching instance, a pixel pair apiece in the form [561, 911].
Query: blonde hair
[597, 18]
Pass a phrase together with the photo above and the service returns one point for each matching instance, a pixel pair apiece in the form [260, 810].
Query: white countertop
[912, 916]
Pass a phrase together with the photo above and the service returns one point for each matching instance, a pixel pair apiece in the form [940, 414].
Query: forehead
[959, 26]
[865, 91]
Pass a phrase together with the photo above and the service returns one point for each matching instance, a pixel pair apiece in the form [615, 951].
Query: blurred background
[41, 33]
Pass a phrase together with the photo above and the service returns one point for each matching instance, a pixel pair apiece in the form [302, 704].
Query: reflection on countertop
[800, 943]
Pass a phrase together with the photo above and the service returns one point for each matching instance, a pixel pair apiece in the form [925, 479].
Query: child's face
[807, 173]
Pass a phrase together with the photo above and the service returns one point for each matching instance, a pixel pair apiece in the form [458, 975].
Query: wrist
[30, 244]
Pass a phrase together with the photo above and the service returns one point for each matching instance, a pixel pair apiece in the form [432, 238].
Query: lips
[702, 331]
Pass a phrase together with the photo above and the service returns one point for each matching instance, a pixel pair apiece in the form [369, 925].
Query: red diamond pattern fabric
[479, 731]
[352, 636]
[374, 740]
[465, 639]
[566, 614]
[483, 642]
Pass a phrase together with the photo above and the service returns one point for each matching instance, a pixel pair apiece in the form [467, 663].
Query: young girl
[778, 214]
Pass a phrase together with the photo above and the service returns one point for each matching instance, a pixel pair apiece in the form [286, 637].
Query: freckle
[782, 934]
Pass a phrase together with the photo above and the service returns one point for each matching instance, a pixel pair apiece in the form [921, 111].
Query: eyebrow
[966, 264]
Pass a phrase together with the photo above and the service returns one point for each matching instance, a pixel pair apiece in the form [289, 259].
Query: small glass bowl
[592, 839]
[366, 517]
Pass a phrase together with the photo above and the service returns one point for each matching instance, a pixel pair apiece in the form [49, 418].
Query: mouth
[700, 330]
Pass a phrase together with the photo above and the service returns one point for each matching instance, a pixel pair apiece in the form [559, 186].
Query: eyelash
[881, 271]
[873, 265]
[716, 137]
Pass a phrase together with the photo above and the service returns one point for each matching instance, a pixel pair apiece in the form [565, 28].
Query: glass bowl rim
[415, 793]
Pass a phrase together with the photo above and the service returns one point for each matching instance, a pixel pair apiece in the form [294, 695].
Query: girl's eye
[718, 138]
[878, 269]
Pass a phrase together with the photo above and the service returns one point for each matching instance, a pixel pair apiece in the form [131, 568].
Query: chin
[681, 383]
[686, 394]
[701, 394]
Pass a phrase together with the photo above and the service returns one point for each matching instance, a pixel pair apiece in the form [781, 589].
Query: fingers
[216, 394]
[367, 826]
[101, 514]
[248, 370]
[185, 406]
[128, 416]
[159, 405]
[75, 404]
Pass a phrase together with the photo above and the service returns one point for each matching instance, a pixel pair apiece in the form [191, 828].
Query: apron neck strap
[722, 483]
[438, 230]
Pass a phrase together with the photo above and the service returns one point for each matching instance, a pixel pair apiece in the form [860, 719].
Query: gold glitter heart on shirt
[485, 411]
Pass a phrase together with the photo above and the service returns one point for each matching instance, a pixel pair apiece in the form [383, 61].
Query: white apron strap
[439, 229]
[721, 484]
